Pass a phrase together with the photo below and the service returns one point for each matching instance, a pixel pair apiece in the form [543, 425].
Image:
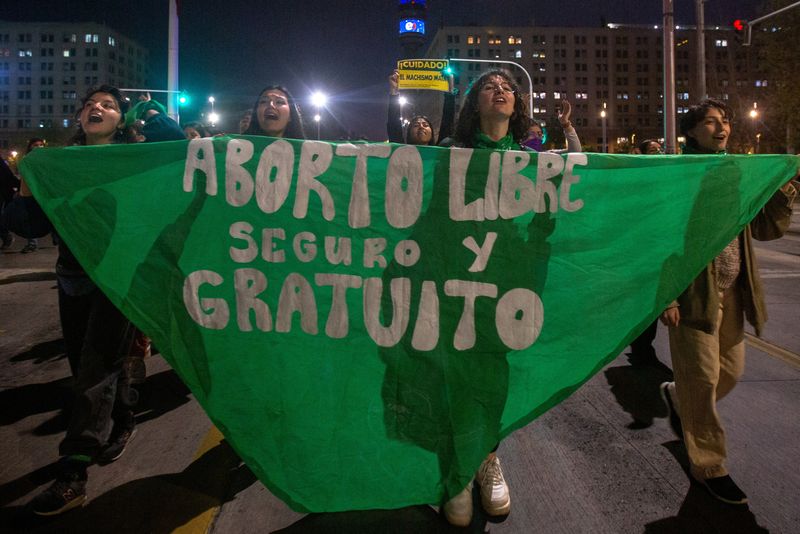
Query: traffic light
[183, 99]
[740, 26]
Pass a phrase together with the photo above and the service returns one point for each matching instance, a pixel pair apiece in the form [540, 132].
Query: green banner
[365, 322]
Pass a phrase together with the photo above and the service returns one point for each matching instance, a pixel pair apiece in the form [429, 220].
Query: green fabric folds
[365, 322]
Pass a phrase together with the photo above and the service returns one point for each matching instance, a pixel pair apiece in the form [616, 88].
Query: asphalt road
[602, 461]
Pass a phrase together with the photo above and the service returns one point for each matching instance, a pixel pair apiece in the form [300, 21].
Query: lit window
[518, 53]
[470, 39]
[557, 95]
[65, 123]
[87, 38]
[721, 43]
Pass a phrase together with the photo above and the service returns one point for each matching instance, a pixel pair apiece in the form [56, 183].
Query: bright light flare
[319, 99]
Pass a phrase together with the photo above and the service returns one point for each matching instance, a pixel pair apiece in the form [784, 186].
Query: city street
[603, 461]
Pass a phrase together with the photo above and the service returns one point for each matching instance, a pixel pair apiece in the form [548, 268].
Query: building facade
[616, 68]
[45, 69]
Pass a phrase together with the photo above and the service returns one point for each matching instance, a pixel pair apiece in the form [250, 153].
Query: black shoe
[67, 492]
[8, 240]
[117, 443]
[30, 247]
[725, 490]
[672, 413]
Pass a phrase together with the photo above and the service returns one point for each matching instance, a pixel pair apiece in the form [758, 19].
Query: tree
[780, 59]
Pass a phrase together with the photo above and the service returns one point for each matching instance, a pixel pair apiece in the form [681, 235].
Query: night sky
[232, 48]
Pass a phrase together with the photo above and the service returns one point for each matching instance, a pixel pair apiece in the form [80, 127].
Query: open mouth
[499, 100]
[271, 116]
[95, 118]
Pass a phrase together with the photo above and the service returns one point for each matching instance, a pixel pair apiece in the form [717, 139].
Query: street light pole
[213, 116]
[754, 116]
[701, 49]
[669, 78]
[605, 139]
[172, 62]
[318, 99]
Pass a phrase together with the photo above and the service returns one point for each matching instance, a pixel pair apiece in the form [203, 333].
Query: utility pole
[669, 78]
[172, 62]
[701, 50]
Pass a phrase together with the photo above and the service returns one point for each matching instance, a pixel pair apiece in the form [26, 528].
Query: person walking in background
[642, 350]
[33, 243]
[9, 184]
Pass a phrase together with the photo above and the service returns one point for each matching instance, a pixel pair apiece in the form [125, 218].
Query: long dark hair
[294, 130]
[119, 136]
[469, 120]
[31, 142]
[432, 141]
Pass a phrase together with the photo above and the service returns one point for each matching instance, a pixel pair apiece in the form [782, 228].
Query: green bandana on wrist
[137, 112]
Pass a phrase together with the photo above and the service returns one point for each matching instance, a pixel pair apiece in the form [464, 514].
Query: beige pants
[706, 369]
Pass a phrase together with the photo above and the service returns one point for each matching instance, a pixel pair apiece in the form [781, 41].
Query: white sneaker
[494, 490]
[458, 510]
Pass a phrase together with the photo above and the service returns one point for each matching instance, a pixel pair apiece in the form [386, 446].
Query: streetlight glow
[214, 118]
[403, 101]
[211, 99]
[317, 117]
[318, 99]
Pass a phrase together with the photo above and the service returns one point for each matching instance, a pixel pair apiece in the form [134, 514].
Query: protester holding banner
[97, 336]
[420, 128]
[494, 117]
[706, 323]
[276, 114]
[535, 139]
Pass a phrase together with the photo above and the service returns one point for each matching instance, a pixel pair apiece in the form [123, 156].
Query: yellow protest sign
[423, 74]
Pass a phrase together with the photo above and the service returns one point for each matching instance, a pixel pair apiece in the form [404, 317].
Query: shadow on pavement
[43, 352]
[159, 394]
[701, 513]
[28, 277]
[636, 389]
[14, 489]
[420, 519]
[30, 399]
[155, 504]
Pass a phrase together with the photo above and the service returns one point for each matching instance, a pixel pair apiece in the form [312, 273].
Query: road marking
[780, 274]
[201, 523]
[773, 350]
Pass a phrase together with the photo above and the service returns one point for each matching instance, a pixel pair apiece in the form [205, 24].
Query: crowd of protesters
[105, 350]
